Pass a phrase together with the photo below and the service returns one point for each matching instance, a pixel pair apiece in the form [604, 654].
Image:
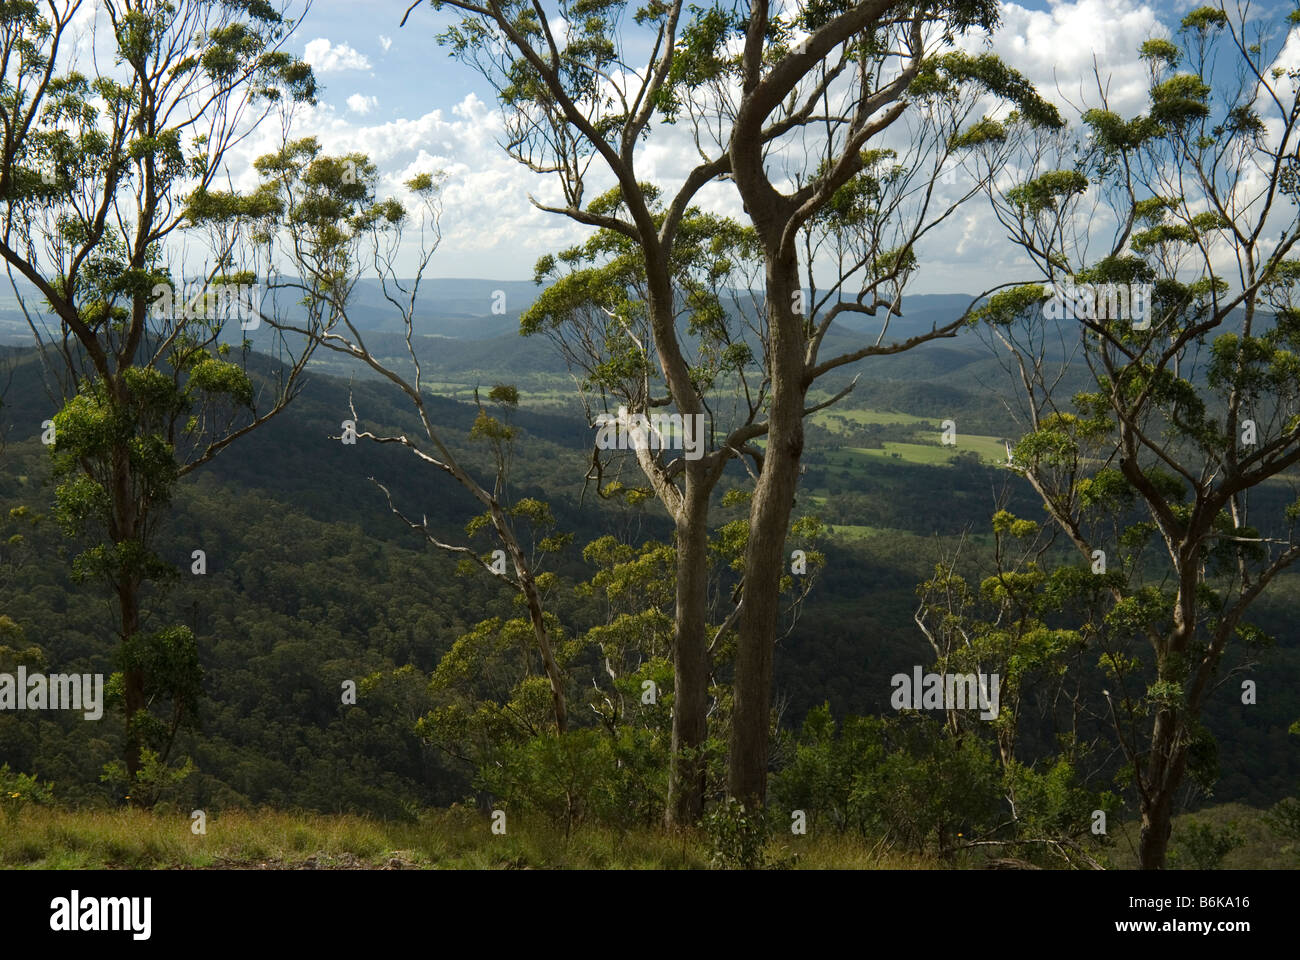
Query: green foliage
[18, 790]
[1202, 846]
[822, 775]
[737, 837]
[169, 661]
[1284, 819]
[315, 589]
[901, 779]
[153, 783]
[1204, 19]
[979, 133]
[595, 309]
[944, 74]
[582, 776]
[1006, 306]
[13, 653]
[1157, 49]
[1047, 191]
[914, 781]
[1053, 801]
[1180, 100]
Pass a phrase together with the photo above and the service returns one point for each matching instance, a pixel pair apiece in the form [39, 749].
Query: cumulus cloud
[358, 103]
[489, 227]
[385, 42]
[1059, 48]
[325, 57]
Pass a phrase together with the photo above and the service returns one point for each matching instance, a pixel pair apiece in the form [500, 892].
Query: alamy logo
[199, 301]
[59, 691]
[1101, 301]
[73, 914]
[946, 691]
[658, 431]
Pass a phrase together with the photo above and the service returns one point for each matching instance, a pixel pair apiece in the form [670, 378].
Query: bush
[737, 837]
[902, 778]
[17, 790]
[154, 782]
[1284, 820]
[1202, 846]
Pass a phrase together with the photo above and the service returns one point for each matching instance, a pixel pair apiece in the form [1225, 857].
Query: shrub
[1202, 846]
[737, 837]
[17, 790]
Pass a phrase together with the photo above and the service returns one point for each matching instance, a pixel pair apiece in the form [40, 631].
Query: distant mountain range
[470, 327]
[484, 309]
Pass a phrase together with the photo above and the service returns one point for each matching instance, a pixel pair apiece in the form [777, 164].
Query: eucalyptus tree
[103, 175]
[334, 229]
[1171, 468]
[594, 309]
[571, 103]
[581, 93]
[840, 122]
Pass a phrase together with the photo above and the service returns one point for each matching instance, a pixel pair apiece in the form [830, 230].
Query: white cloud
[489, 228]
[1057, 49]
[385, 42]
[359, 103]
[324, 57]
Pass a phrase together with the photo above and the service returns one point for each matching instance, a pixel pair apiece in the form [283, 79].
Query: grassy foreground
[50, 838]
[460, 838]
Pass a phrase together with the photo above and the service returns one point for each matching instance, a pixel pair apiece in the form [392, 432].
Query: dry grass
[459, 838]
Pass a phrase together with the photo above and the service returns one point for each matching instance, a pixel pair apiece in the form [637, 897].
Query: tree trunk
[690, 659]
[1164, 775]
[528, 585]
[1156, 827]
[769, 521]
[125, 528]
[686, 775]
[553, 675]
[129, 600]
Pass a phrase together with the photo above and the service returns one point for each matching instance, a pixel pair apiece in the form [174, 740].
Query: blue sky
[392, 93]
[408, 71]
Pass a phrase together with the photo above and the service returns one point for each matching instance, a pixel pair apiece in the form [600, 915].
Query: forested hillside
[311, 581]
